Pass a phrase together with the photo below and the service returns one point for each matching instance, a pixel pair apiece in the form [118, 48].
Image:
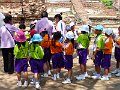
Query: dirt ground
[9, 82]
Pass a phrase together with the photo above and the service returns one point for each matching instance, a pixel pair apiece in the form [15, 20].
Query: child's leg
[106, 71]
[36, 76]
[85, 68]
[82, 67]
[69, 73]
[97, 69]
[45, 67]
[18, 76]
[26, 76]
[117, 64]
[58, 70]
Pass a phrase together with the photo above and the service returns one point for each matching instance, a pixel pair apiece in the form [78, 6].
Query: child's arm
[40, 52]
[16, 50]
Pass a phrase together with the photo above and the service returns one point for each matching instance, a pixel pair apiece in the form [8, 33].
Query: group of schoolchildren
[40, 49]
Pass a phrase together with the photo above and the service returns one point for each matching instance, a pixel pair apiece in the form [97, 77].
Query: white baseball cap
[72, 24]
[70, 35]
[85, 28]
[109, 31]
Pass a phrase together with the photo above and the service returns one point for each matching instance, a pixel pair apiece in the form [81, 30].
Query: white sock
[98, 75]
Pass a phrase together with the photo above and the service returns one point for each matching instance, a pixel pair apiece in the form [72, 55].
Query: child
[36, 56]
[57, 55]
[23, 27]
[106, 62]
[117, 53]
[21, 55]
[83, 44]
[47, 53]
[69, 50]
[97, 51]
[72, 26]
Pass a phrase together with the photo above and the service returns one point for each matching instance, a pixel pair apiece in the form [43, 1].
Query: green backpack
[36, 51]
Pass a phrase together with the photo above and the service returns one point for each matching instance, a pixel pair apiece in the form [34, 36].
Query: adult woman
[7, 44]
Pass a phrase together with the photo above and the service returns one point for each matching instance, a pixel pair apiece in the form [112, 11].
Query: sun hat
[109, 31]
[72, 24]
[70, 35]
[20, 36]
[99, 27]
[85, 28]
[37, 38]
[32, 32]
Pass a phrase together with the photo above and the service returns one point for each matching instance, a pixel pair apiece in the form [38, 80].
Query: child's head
[119, 30]
[57, 36]
[32, 24]
[58, 17]
[20, 36]
[72, 25]
[43, 33]
[22, 26]
[85, 29]
[69, 36]
[108, 32]
[37, 38]
[32, 32]
[98, 29]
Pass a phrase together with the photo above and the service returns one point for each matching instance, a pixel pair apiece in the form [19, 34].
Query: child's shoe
[58, 75]
[80, 77]
[49, 72]
[109, 75]
[67, 81]
[115, 71]
[54, 77]
[19, 83]
[86, 74]
[105, 77]
[32, 82]
[97, 76]
[25, 84]
[37, 85]
[118, 74]
[45, 75]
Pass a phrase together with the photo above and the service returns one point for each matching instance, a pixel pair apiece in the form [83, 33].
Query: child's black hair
[58, 16]
[56, 36]
[34, 44]
[20, 43]
[22, 26]
[83, 32]
[44, 33]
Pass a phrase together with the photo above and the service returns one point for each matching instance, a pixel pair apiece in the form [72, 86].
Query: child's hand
[93, 57]
[28, 58]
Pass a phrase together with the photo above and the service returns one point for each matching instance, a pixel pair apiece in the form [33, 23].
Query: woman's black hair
[58, 16]
[22, 26]
[56, 36]
[8, 18]
[44, 14]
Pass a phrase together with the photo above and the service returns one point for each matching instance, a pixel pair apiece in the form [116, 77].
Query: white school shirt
[117, 38]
